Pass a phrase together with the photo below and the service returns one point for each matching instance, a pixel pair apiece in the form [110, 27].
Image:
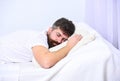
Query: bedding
[92, 59]
[88, 36]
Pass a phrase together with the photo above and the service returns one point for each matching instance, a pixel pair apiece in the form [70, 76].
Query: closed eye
[58, 34]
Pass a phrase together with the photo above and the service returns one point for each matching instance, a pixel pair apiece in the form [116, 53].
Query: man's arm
[47, 59]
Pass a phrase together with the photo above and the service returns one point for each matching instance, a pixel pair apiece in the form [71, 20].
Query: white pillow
[80, 28]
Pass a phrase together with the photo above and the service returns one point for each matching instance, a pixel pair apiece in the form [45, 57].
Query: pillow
[80, 28]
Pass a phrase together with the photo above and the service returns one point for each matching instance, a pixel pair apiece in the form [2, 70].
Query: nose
[59, 40]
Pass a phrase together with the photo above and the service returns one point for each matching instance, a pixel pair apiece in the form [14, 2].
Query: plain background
[37, 14]
[102, 15]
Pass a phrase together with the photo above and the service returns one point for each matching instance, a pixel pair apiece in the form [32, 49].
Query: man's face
[56, 37]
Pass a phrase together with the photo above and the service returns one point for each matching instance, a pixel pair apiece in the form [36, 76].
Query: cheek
[53, 36]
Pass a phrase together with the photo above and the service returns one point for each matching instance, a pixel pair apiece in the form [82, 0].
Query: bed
[92, 59]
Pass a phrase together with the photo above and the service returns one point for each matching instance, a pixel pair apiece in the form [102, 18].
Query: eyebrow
[64, 38]
[58, 33]
[63, 33]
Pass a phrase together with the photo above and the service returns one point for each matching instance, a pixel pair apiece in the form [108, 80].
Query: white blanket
[94, 60]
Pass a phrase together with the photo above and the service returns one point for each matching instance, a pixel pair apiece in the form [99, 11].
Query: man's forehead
[63, 33]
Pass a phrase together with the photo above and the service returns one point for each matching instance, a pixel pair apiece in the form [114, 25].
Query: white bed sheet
[96, 61]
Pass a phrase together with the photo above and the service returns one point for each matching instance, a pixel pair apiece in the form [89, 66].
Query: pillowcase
[80, 28]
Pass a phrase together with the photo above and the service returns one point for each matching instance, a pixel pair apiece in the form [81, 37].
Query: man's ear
[50, 30]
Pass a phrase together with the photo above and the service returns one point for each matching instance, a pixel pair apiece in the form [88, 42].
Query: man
[22, 46]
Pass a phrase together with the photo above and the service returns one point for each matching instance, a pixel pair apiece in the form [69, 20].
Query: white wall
[37, 14]
[104, 17]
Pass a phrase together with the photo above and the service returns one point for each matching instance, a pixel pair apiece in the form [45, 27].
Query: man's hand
[48, 59]
[74, 40]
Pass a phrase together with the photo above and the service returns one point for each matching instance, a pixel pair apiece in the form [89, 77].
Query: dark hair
[65, 25]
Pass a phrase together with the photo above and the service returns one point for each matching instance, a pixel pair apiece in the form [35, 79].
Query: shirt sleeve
[39, 40]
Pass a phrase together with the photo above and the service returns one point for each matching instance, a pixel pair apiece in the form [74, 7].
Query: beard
[51, 42]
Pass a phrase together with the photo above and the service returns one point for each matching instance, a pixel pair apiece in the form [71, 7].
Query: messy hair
[65, 25]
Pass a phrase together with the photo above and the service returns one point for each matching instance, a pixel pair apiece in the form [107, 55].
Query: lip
[55, 44]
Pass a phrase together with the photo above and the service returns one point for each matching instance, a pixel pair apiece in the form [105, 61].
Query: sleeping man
[22, 46]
